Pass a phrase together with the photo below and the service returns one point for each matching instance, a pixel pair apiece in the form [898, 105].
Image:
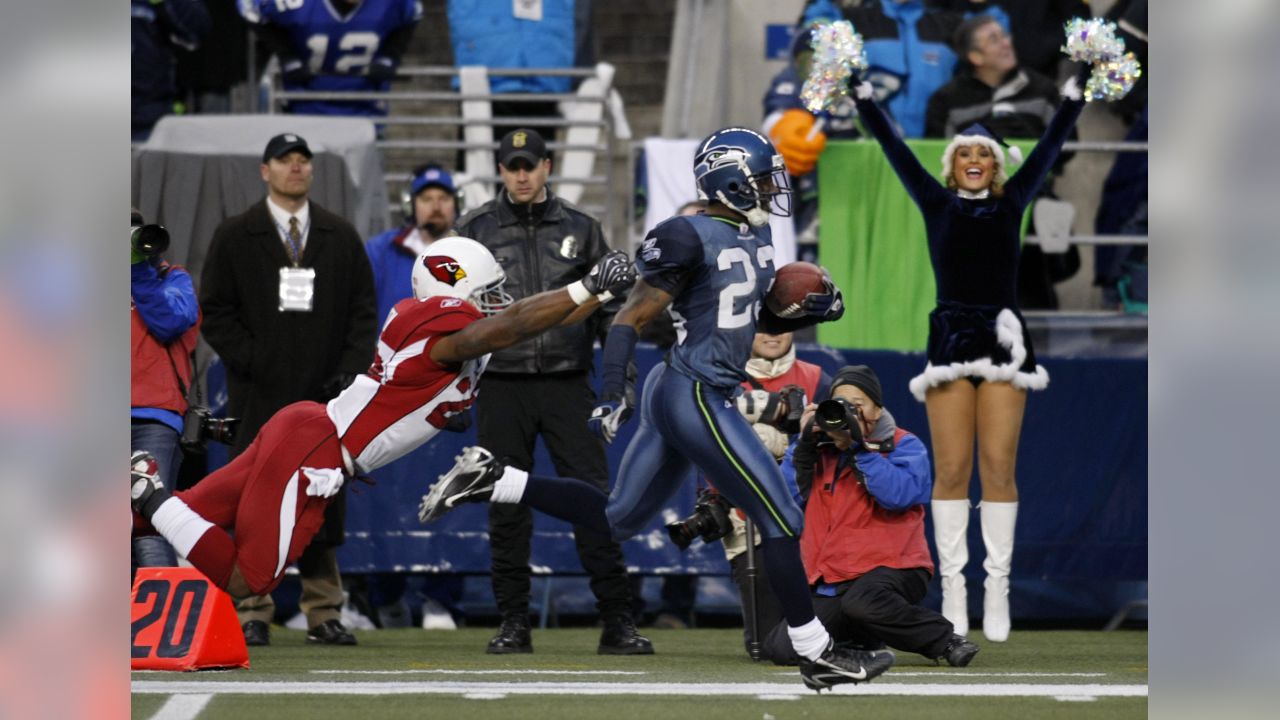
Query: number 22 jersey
[718, 271]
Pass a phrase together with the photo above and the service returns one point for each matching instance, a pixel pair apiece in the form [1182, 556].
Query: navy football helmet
[740, 168]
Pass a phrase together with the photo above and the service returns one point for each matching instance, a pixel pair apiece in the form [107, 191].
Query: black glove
[336, 384]
[614, 273]
[382, 69]
[295, 71]
[827, 305]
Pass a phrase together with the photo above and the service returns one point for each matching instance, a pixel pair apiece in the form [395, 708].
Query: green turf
[684, 656]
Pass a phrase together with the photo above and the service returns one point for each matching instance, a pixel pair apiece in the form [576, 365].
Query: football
[790, 286]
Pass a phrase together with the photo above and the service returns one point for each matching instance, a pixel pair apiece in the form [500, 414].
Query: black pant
[511, 412]
[768, 610]
[882, 605]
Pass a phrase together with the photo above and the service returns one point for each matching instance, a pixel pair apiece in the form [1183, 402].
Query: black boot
[620, 637]
[512, 637]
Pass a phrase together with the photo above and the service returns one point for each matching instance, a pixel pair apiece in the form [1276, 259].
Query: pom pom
[1092, 40]
[1113, 79]
[837, 52]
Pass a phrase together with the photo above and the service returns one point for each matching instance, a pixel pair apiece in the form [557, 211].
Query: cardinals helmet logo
[445, 269]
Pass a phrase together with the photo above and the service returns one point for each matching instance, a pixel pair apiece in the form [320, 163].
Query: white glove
[1071, 89]
[864, 90]
[775, 441]
[323, 482]
[754, 404]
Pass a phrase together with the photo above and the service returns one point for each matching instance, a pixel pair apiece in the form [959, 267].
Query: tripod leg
[753, 615]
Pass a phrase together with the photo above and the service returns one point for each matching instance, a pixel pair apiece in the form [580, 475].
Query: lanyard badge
[297, 289]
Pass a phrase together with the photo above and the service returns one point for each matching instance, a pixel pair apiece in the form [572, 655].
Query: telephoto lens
[833, 414]
[149, 239]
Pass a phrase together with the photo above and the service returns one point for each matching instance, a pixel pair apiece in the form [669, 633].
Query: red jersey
[406, 397]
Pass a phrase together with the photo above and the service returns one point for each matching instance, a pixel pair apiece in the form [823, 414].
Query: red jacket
[152, 378]
[847, 533]
[806, 375]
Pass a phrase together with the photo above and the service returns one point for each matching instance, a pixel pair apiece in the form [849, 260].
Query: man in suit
[289, 306]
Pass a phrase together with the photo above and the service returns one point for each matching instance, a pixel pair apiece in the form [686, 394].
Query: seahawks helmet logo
[444, 268]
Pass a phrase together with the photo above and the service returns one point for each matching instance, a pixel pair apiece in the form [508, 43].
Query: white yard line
[1092, 690]
[951, 673]
[442, 671]
[183, 707]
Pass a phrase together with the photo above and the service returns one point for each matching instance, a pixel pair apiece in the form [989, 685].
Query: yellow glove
[790, 135]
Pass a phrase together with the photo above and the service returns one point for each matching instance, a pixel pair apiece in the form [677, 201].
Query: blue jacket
[484, 32]
[392, 266]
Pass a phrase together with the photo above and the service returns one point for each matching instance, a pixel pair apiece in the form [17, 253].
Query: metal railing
[478, 178]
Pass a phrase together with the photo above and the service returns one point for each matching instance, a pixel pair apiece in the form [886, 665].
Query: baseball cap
[284, 144]
[522, 143]
[429, 176]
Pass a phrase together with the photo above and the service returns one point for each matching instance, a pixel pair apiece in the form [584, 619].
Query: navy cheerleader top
[973, 244]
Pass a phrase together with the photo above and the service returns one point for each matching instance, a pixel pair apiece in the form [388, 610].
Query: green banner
[871, 238]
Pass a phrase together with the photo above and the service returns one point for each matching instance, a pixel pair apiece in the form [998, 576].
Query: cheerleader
[980, 360]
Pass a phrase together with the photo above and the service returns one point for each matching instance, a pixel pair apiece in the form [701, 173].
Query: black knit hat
[861, 377]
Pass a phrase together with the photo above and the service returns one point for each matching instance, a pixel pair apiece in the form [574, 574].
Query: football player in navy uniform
[713, 270]
[336, 46]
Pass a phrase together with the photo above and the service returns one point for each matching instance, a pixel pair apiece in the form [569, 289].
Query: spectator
[429, 207]
[158, 29]
[164, 324]
[981, 363]
[543, 34]
[1036, 26]
[992, 89]
[908, 50]
[289, 306]
[773, 368]
[541, 387]
[863, 545]
[791, 127]
[1123, 211]
[336, 46]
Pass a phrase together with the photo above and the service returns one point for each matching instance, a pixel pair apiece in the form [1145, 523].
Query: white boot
[998, 520]
[950, 532]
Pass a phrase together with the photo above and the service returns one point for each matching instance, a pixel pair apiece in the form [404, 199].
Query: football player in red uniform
[431, 353]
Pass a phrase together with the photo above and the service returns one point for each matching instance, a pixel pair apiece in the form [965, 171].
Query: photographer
[164, 324]
[777, 391]
[863, 546]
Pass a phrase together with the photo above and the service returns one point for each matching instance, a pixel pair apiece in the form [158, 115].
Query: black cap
[522, 143]
[283, 144]
[861, 377]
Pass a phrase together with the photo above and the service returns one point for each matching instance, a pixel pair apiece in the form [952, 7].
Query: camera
[710, 521]
[149, 240]
[836, 414]
[793, 400]
[199, 425]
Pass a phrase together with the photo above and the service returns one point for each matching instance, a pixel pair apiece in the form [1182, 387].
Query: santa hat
[977, 134]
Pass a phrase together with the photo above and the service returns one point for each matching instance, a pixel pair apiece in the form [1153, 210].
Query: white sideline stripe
[182, 707]
[437, 671]
[952, 674]
[151, 687]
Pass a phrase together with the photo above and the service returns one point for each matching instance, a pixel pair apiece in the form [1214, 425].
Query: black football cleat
[146, 492]
[844, 665]
[470, 479]
[256, 633]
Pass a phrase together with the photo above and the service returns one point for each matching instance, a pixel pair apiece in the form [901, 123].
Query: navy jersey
[718, 271]
[334, 46]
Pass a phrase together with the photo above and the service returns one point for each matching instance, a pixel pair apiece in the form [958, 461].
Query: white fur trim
[1009, 335]
[961, 140]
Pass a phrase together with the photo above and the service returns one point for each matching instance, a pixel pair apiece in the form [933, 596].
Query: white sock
[510, 487]
[179, 524]
[809, 640]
